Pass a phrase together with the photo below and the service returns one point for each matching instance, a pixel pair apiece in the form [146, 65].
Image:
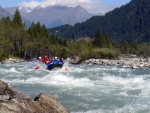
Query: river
[85, 88]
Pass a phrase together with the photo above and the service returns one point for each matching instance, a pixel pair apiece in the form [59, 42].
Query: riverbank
[133, 62]
[126, 61]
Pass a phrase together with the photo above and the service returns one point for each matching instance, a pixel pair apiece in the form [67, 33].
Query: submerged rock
[75, 60]
[13, 60]
[14, 101]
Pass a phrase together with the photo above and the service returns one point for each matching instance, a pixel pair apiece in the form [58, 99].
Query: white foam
[70, 81]
[95, 111]
[56, 78]
[121, 80]
[132, 108]
[13, 70]
[90, 83]
[129, 108]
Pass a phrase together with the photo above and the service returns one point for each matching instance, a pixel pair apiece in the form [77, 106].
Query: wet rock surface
[14, 101]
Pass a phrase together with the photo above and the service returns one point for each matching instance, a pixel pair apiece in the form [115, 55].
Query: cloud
[92, 6]
[31, 4]
[65, 2]
[89, 5]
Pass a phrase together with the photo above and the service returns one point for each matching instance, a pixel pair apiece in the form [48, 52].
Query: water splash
[85, 88]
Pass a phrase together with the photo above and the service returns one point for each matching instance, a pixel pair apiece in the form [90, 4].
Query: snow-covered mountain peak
[42, 6]
[25, 9]
[53, 16]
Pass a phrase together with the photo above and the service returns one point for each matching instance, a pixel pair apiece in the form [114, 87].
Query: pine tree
[44, 31]
[107, 40]
[17, 21]
[18, 33]
[124, 47]
[97, 39]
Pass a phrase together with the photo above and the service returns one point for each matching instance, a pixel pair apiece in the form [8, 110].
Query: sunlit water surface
[85, 88]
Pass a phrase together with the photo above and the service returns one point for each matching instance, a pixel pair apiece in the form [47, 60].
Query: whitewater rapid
[85, 88]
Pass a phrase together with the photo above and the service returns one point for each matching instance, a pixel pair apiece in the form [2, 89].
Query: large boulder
[13, 101]
[75, 60]
[3, 87]
[6, 90]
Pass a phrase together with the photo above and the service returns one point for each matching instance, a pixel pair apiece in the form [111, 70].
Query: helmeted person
[45, 59]
[40, 58]
[55, 58]
[34, 59]
[61, 59]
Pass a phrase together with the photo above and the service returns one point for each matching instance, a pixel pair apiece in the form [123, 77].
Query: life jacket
[46, 60]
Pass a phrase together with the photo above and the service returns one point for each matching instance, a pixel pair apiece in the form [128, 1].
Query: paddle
[37, 67]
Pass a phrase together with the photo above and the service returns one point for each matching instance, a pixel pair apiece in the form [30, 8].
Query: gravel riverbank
[124, 61]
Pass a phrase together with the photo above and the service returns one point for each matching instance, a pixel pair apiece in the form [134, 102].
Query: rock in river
[14, 101]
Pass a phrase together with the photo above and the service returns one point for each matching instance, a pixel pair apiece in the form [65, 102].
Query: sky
[92, 6]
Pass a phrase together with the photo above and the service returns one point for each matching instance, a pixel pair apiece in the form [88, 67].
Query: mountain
[53, 16]
[3, 13]
[130, 22]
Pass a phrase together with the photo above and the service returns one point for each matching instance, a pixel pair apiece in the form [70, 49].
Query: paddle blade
[36, 68]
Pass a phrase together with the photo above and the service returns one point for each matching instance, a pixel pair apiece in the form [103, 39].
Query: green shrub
[84, 55]
[3, 56]
[104, 53]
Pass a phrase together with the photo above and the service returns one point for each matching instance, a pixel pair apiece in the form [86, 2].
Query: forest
[129, 23]
[19, 41]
